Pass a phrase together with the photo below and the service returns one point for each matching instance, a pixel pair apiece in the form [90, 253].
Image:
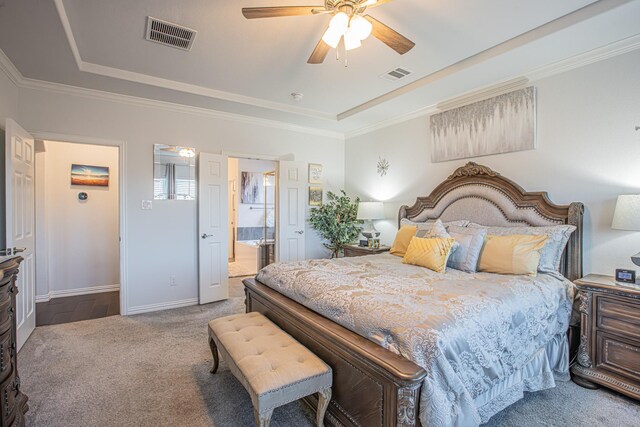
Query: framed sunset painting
[97, 176]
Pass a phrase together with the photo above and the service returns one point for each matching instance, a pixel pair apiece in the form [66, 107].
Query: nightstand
[355, 250]
[609, 352]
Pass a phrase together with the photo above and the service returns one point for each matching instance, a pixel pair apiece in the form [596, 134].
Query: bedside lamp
[627, 217]
[370, 211]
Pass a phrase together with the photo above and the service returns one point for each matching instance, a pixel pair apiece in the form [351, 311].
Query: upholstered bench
[274, 368]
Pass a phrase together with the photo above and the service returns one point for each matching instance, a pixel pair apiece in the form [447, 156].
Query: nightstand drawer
[618, 315]
[619, 356]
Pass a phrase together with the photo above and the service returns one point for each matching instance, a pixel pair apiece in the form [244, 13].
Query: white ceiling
[250, 67]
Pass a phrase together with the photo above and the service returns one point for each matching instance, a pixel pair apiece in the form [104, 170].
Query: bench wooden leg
[214, 353]
[262, 420]
[324, 397]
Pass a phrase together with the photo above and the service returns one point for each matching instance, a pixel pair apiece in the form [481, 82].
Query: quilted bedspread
[483, 338]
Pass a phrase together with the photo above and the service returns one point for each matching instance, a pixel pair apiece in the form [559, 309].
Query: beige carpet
[153, 370]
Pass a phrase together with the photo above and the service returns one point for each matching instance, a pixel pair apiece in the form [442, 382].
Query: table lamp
[370, 211]
[627, 217]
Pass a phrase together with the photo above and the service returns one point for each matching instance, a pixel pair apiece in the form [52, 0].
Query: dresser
[609, 351]
[355, 250]
[13, 403]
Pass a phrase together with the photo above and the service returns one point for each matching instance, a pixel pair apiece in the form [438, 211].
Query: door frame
[122, 197]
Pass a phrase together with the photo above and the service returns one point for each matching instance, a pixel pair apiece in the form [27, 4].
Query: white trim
[481, 94]
[162, 306]
[75, 292]
[595, 55]
[122, 193]
[131, 76]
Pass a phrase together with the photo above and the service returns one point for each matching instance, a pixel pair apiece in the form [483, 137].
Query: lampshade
[351, 39]
[361, 27]
[340, 22]
[370, 210]
[332, 36]
[627, 213]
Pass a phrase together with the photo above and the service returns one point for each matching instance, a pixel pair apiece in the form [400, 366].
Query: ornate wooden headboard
[479, 194]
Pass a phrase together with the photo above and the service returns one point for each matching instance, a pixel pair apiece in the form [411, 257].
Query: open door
[292, 186]
[20, 235]
[213, 228]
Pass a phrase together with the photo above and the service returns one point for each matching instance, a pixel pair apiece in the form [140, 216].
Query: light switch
[146, 205]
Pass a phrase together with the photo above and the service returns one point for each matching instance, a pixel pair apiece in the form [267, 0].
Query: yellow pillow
[515, 254]
[403, 237]
[430, 253]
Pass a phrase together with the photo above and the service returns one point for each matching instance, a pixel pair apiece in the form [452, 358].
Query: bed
[373, 384]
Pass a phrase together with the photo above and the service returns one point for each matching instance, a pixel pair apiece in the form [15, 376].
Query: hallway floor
[76, 308]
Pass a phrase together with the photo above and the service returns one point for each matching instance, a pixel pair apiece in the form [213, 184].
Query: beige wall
[78, 240]
[588, 151]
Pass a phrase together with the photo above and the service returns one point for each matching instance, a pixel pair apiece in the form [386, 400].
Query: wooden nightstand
[609, 352]
[355, 250]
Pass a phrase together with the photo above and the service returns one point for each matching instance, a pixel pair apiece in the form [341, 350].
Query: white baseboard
[78, 291]
[162, 306]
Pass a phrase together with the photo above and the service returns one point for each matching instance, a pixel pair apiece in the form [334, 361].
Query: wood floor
[76, 308]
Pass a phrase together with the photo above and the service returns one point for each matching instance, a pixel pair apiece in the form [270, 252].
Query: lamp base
[369, 231]
[636, 259]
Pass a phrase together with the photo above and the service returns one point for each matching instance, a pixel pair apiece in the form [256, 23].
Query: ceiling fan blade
[274, 12]
[319, 53]
[391, 38]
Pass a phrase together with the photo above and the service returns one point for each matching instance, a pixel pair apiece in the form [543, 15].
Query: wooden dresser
[609, 352]
[13, 403]
[355, 250]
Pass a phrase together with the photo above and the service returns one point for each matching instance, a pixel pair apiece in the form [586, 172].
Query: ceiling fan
[349, 24]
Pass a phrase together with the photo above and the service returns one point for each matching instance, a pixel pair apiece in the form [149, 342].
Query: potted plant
[336, 221]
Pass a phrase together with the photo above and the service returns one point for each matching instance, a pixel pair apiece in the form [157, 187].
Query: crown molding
[595, 55]
[26, 83]
[135, 77]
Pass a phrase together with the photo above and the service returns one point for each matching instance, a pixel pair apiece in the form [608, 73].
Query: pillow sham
[513, 254]
[427, 224]
[557, 238]
[470, 241]
[437, 230]
[430, 253]
[402, 240]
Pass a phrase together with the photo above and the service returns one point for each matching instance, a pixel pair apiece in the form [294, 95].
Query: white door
[292, 186]
[213, 228]
[20, 207]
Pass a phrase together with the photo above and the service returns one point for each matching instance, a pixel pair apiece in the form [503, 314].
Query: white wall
[588, 151]
[78, 244]
[163, 241]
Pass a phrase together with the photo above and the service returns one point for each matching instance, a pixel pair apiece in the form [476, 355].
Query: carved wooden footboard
[371, 385]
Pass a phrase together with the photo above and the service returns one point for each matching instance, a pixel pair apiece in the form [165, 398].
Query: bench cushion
[273, 367]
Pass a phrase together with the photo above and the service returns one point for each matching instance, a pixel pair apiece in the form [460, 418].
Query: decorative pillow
[425, 225]
[402, 240]
[557, 238]
[430, 253]
[437, 230]
[470, 241]
[514, 254]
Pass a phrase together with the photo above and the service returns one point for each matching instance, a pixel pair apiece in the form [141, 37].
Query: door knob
[299, 232]
[205, 235]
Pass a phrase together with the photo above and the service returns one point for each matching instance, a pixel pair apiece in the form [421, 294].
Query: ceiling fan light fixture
[332, 37]
[361, 27]
[351, 40]
[340, 22]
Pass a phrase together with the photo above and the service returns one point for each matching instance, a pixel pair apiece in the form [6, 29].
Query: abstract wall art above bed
[502, 124]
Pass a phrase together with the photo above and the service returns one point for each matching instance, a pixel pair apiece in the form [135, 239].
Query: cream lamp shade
[370, 210]
[627, 213]
[627, 217]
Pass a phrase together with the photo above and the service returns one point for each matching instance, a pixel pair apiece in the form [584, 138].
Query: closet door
[292, 186]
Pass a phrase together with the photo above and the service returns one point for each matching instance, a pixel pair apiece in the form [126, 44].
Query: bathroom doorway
[252, 215]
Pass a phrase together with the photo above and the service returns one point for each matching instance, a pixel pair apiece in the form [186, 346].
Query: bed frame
[373, 386]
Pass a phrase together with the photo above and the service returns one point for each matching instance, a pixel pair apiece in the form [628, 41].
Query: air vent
[169, 34]
[396, 74]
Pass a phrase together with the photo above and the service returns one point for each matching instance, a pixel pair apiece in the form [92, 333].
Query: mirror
[174, 172]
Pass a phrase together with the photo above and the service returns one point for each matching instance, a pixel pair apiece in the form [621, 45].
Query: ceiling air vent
[396, 74]
[169, 34]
